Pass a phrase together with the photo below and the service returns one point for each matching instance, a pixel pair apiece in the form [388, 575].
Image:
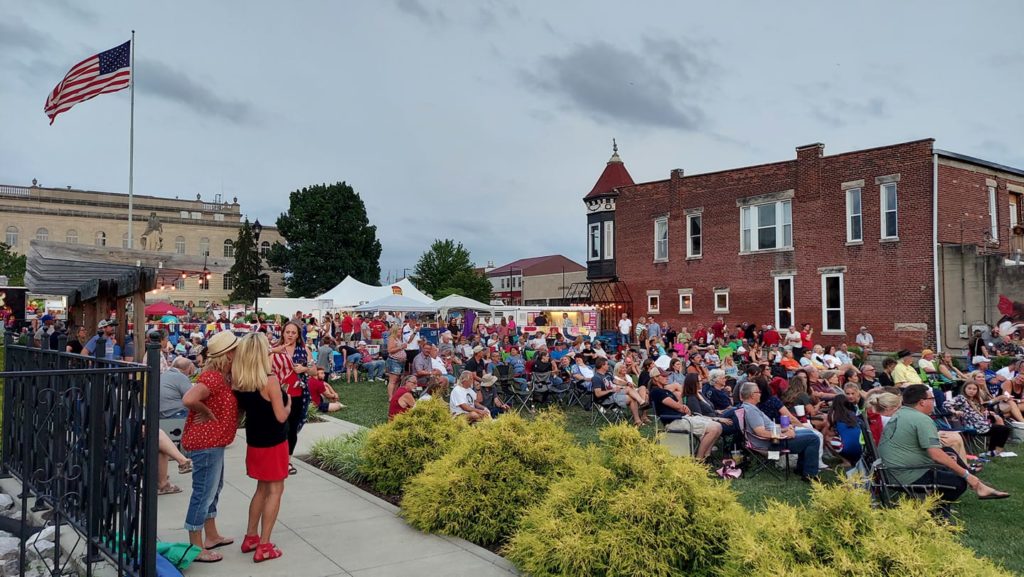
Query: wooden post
[139, 305]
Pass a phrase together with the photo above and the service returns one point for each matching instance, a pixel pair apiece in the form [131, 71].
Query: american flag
[108, 71]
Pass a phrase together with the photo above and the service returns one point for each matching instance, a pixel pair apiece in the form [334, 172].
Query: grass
[984, 524]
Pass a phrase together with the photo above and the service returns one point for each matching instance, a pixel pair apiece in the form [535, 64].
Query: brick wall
[888, 285]
[964, 200]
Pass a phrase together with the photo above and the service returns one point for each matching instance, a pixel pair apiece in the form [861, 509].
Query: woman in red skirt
[266, 434]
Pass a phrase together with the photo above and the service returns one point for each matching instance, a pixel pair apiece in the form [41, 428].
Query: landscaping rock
[9, 549]
[40, 550]
[46, 534]
[6, 501]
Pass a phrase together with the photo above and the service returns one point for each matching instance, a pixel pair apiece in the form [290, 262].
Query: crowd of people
[744, 385]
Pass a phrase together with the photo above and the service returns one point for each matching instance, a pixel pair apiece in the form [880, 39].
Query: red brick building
[836, 241]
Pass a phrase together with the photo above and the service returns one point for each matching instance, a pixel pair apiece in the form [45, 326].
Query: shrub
[839, 533]
[1001, 361]
[636, 511]
[342, 455]
[479, 490]
[399, 449]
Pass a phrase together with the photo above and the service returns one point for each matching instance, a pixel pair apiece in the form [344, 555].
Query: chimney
[676, 173]
[808, 170]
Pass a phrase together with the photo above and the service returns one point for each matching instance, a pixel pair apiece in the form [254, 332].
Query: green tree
[247, 273]
[328, 237]
[12, 265]
[446, 269]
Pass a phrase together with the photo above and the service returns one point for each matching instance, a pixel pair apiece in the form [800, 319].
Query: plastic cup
[799, 410]
[784, 421]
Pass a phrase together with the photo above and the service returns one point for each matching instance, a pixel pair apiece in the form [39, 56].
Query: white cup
[949, 395]
[799, 410]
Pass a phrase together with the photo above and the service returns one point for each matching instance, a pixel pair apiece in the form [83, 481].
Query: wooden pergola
[97, 280]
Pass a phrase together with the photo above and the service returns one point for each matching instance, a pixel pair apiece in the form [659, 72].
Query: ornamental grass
[398, 450]
[342, 455]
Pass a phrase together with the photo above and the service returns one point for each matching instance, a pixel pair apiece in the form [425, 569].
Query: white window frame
[993, 214]
[792, 302]
[721, 293]
[265, 248]
[71, 236]
[124, 240]
[204, 242]
[100, 238]
[690, 218]
[179, 245]
[655, 298]
[594, 241]
[825, 329]
[687, 296]
[896, 200]
[197, 215]
[850, 215]
[749, 227]
[661, 221]
[229, 246]
[609, 240]
[218, 217]
[12, 235]
[42, 233]
[1014, 204]
[184, 214]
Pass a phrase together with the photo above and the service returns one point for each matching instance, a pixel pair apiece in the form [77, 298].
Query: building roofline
[986, 163]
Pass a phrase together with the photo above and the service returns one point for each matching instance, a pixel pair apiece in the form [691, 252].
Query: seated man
[927, 364]
[582, 374]
[490, 398]
[910, 444]
[322, 395]
[802, 442]
[905, 373]
[373, 366]
[463, 399]
[174, 383]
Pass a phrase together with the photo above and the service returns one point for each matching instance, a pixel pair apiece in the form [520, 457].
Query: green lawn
[985, 524]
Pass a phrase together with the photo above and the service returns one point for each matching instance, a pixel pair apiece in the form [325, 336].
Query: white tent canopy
[459, 302]
[351, 293]
[398, 303]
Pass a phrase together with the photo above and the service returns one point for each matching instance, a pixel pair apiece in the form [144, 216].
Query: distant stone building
[167, 225]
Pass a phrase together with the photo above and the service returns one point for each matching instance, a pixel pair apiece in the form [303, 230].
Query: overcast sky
[488, 121]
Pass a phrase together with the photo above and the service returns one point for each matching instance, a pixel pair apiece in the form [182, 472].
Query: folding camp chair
[884, 486]
[762, 459]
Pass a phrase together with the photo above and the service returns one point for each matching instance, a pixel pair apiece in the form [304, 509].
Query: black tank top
[261, 426]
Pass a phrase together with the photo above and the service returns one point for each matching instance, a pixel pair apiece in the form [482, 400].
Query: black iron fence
[75, 434]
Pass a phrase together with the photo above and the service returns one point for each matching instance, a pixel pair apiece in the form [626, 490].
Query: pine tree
[246, 271]
[328, 237]
[12, 265]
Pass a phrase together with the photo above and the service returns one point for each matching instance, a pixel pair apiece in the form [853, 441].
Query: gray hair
[183, 364]
[715, 374]
[747, 390]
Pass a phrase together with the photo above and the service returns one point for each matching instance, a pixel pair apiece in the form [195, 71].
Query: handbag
[729, 470]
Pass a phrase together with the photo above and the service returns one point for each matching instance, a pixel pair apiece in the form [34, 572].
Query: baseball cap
[980, 359]
[106, 323]
[46, 318]
[477, 349]
[362, 343]
[927, 352]
[654, 372]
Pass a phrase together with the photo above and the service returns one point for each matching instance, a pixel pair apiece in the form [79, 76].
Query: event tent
[459, 302]
[351, 293]
[398, 303]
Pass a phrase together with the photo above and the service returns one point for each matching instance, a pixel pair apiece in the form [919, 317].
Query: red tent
[161, 309]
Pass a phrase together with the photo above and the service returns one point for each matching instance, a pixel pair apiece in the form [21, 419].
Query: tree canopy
[247, 270]
[327, 237]
[12, 265]
[446, 269]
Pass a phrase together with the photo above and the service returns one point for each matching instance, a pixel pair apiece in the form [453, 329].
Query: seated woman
[717, 391]
[851, 376]
[788, 362]
[543, 367]
[729, 366]
[676, 375]
[972, 407]
[798, 400]
[844, 430]
[637, 393]
[700, 405]
[828, 387]
[1011, 402]
[949, 370]
[829, 358]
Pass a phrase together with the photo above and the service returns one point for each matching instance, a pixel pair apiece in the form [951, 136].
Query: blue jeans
[374, 370]
[807, 447]
[207, 482]
[355, 358]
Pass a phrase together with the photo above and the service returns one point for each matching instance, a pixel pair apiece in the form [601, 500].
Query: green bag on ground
[180, 554]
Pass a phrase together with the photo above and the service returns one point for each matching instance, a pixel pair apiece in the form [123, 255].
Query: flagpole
[131, 148]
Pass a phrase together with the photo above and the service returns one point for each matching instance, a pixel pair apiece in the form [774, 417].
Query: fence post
[152, 420]
[96, 462]
[5, 431]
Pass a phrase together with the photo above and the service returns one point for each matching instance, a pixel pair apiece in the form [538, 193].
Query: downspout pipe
[935, 251]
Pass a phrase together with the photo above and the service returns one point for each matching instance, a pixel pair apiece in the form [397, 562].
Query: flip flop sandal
[250, 543]
[210, 557]
[222, 543]
[185, 467]
[266, 552]
[291, 469]
[169, 489]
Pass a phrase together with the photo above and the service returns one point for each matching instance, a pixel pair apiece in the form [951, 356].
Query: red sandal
[266, 552]
[250, 543]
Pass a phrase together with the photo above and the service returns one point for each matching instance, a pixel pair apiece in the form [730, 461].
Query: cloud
[841, 112]
[1012, 60]
[73, 9]
[161, 80]
[17, 34]
[417, 10]
[611, 84]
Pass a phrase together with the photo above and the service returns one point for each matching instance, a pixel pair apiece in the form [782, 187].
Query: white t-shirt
[793, 339]
[438, 365]
[865, 339]
[1006, 373]
[926, 365]
[414, 344]
[461, 396]
[624, 326]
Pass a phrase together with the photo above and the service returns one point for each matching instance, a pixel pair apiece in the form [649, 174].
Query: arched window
[204, 246]
[12, 236]
[124, 240]
[42, 234]
[101, 238]
[179, 245]
[71, 237]
[264, 248]
[229, 282]
[229, 248]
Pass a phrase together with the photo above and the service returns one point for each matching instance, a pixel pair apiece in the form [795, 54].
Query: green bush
[480, 489]
[399, 449]
[839, 533]
[636, 510]
[342, 455]
[1001, 361]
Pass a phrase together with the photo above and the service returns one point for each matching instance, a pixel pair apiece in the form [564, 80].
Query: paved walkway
[327, 527]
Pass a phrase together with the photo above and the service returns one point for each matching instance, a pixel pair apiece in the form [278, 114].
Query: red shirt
[377, 329]
[316, 390]
[219, 432]
[346, 324]
[805, 340]
[394, 408]
[701, 334]
[719, 329]
[284, 369]
[357, 325]
[770, 338]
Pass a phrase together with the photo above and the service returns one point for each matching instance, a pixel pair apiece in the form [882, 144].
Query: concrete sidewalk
[326, 527]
